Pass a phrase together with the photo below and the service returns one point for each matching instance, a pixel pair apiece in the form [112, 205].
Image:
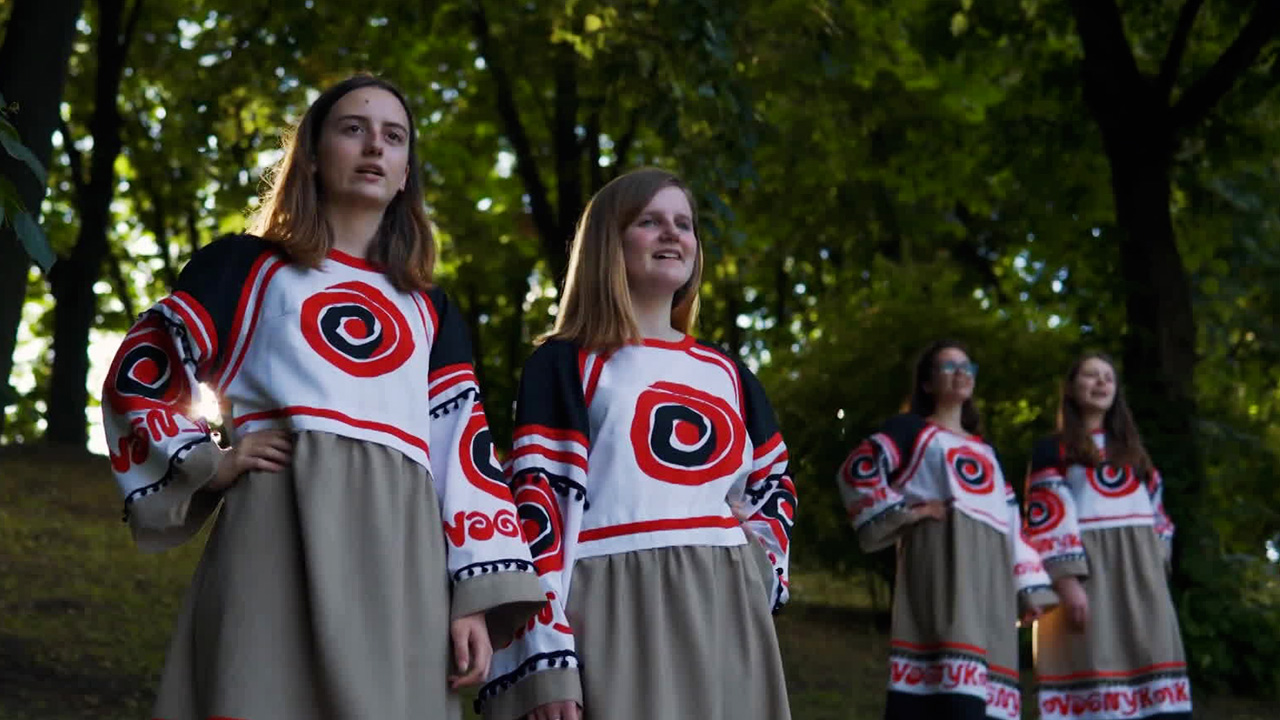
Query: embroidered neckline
[352, 261]
[681, 344]
[957, 433]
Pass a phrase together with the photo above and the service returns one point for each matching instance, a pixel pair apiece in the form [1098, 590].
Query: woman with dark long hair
[364, 521]
[1095, 513]
[927, 482]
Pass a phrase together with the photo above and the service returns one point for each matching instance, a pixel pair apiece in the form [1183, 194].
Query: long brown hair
[923, 403]
[1124, 444]
[404, 247]
[595, 310]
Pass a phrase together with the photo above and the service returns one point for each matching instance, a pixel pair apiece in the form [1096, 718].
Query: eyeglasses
[951, 367]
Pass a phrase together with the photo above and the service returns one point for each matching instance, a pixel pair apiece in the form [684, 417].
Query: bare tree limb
[118, 279]
[130, 26]
[1262, 27]
[193, 231]
[591, 144]
[622, 148]
[568, 149]
[1178, 45]
[75, 159]
[159, 226]
[967, 250]
[526, 163]
[1108, 57]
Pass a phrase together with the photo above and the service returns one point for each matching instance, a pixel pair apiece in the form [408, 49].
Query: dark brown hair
[923, 403]
[1124, 444]
[596, 311]
[404, 247]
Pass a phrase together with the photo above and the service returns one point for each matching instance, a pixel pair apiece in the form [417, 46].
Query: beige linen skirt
[678, 632]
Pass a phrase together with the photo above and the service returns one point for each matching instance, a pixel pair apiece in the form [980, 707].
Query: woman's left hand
[1030, 615]
[743, 513]
[928, 509]
[472, 651]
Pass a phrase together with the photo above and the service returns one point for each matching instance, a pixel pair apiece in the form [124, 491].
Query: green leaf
[13, 145]
[34, 241]
[10, 203]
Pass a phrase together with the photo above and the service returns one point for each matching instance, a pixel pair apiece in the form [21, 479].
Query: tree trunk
[781, 293]
[74, 314]
[1140, 134]
[160, 228]
[193, 229]
[1159, 348]
[569, 152]
[73, 278]
[733, 302]
[515, 350]
[33, 72]
[545, 218]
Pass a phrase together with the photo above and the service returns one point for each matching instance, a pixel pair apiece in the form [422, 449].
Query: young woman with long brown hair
[927, 482]
[1095, 513]
[364, 522]
[633, 442]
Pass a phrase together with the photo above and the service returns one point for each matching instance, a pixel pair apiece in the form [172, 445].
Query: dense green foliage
[872, 176]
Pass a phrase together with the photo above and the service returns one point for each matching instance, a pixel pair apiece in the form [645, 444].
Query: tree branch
[193, 231]
[1178, 46]
[568, 149]
[782, 289]
[967, 251]
[595, 176]
[1204, 94]
[75, 160]
[1110, 67]
[622, 148]
[733, 298]
[105, 123]
[159, 227]
[130, 26]
[526, 163]
[122, 285]
[1253, 87]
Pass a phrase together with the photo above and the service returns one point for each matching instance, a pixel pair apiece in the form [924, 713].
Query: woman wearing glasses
[927, 482]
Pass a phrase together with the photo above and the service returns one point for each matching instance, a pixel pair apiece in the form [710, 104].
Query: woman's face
[1094, 388]
[363, 154]
[659, 247]
[953, 378]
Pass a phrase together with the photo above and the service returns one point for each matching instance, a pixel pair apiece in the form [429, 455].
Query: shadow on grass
[31, 688]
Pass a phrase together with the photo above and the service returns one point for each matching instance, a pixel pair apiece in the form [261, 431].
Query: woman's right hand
[1074, 601]
[265, 450]
[563, 710]
[933, 509]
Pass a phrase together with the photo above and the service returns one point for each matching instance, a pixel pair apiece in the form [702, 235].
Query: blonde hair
[595, 309]
[290, 216]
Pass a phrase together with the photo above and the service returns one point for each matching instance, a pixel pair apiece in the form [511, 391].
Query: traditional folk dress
[961, 581]
[325, 590]
[623, 468]
[1108, 527]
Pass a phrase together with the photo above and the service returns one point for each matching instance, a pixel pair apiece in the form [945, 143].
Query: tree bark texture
[33, 73]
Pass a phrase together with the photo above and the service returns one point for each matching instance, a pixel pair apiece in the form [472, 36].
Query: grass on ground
[85, 617]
